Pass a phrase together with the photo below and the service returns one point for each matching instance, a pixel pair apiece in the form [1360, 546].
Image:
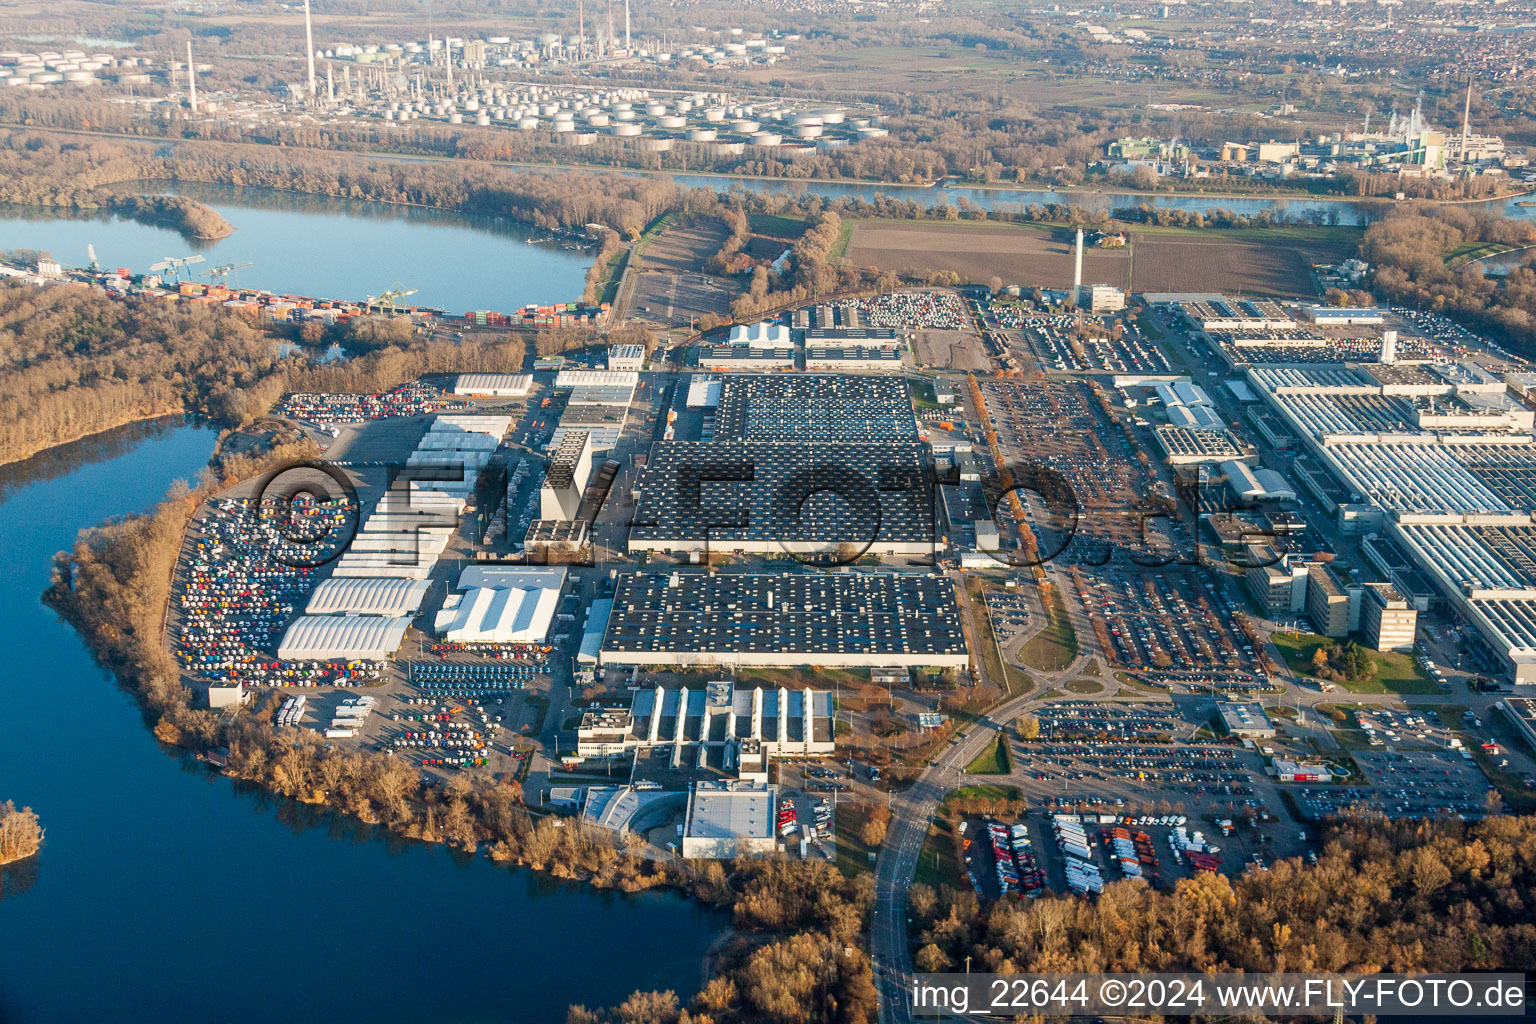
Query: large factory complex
[1431, 460]
[708, 555]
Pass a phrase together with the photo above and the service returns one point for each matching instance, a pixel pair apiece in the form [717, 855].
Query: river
[325, 247]
[1011, 199]
[166, 893]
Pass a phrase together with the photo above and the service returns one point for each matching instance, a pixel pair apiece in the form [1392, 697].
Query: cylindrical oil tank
[766, 139]
[671, 121]
[702, 134]
[624, 129]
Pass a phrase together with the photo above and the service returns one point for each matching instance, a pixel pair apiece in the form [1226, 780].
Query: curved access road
[911, 813]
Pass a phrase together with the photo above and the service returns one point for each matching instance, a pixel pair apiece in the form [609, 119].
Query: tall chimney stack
[1466, 122]
[309, 51]
[191, 80]
[1388, 347]
[1077, 268]
[627, 48]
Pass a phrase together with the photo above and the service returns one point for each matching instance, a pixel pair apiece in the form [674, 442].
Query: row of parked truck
[1083, 875]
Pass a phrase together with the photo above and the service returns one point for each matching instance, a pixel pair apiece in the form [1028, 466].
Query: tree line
[1397, 896]
[20, 834]
[799, 957]
[1414, 252]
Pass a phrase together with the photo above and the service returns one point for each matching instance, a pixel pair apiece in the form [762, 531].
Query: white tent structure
[502, 605]
[343, 637]
[381, 596]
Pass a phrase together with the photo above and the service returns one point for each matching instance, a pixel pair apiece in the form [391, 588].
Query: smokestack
[627, 48]
[191, 80]
[309, 50]
[1389, 347]
[1077, 268]
[1466, 121]
[330, 84]
[581, 30]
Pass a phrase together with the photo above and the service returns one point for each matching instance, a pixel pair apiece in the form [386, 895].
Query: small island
[20, 834]
[187, 216]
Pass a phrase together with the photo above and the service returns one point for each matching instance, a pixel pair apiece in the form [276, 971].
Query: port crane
[222, 272]
[391, 299]
[174, 265]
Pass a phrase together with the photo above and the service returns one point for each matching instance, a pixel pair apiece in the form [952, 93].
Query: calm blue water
[328, 248]
[164, 894]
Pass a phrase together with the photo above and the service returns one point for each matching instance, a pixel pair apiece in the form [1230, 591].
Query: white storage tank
[806, 131]
[625, 129]
[714, 114]
[767, 139]
[671, 121]
[745, 127]
[702, 135]
[598, 120]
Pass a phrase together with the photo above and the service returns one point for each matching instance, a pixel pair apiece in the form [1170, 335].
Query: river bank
[184, 858]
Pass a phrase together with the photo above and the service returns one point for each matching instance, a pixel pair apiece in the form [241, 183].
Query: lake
[164, 892]
[324, 247]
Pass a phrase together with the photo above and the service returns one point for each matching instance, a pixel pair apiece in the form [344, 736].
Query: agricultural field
[1024, 254]
[1270, 261]
[1264, 261]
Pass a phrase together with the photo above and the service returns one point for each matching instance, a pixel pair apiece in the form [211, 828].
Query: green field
[852, 852]
[1395, 672]
[937, 865]
[775, 226]
[1054, 647]
[993, 760]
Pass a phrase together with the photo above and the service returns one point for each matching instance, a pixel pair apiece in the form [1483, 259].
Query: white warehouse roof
[350, 637]
[498, 615]
[763, 335]
[704, 392]
[498, 384]
[597, 378]
[1242, 481]
[496, 426]
[392, 597]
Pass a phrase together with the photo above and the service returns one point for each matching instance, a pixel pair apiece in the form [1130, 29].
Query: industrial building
[598, 403]
[759, 497]
[1328, 602]
[840, 620]
[1439, 460]
[1186, 446]
[343, 637]
[730, 819]
[494, 385]
[1246, 721]
[745, 359]
[1387, 620]
[501, 604]
[811, 407]
[734, 729]
[1100, 298]
[1340, 316]
[852, 359]
[567, 476]
[626, 357]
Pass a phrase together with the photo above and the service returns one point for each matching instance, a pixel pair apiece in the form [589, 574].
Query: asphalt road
[911, 813]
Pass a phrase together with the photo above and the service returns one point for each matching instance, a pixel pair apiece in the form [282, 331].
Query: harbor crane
[171, 266]
[222, 272]
[391, 299]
